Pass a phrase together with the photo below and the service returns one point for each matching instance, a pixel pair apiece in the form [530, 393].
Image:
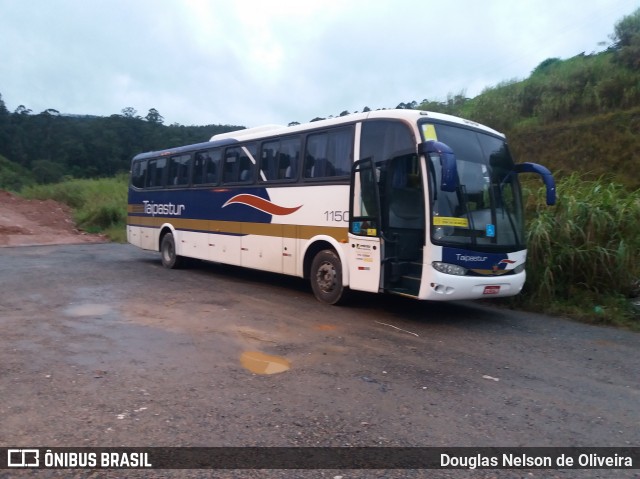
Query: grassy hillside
[603, 146]
[13, 176]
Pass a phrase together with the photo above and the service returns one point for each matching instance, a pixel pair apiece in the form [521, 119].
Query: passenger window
[239, 164]
[138, 172]
[329, 154]
[279, 160]
[179, 167]
[155, 172]
[206, 167]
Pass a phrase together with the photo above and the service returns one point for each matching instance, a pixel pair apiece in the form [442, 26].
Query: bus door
[403, 223]
[365, 246]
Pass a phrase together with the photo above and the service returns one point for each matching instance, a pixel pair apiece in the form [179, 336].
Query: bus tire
[326, 277]
[168, 252]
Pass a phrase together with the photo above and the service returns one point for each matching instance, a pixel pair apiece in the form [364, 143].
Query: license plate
[491, 290]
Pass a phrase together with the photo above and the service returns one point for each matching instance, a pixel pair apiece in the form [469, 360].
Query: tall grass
[99, 205]
[584, 253]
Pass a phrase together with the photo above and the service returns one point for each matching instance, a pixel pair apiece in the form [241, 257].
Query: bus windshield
[485, 210]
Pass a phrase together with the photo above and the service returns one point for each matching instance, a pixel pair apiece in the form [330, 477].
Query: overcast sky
[253, 62]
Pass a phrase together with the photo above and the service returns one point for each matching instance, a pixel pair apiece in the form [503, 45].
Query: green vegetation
[53, 146]
[99, 205]
[579, 115]
[602, 147]
[583, 253]
[13, 176]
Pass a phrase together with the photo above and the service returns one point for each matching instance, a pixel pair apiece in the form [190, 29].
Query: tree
[3, 107]
[45, 171]
[22, 110]
[546, 65]
[5, 129]
[626, 29]
[154, 117]
[411, 105]
[626, 40]
[129, 112]
[13, 177]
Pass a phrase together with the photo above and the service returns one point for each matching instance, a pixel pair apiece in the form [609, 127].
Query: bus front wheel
[326, 277]
[168, 252]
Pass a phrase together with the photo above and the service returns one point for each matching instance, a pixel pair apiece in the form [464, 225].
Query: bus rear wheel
[326, 277]
[168, 252]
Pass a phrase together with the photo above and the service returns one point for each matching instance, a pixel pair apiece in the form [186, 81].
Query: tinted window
[179, 170]
[155, 172]
[329, 154]
[279, 159]
[239, 164]
[138, 172]
[206, 167]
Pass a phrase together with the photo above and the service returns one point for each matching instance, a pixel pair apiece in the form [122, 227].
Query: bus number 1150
[336, 216]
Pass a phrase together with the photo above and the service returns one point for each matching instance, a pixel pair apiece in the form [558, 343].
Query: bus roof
[266, 131]
[247, 131]
[185, 149]
[407, 115]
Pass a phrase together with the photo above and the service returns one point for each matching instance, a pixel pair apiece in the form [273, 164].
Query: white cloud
[251, 62]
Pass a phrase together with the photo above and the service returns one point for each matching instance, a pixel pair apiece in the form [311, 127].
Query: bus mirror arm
[546, 176]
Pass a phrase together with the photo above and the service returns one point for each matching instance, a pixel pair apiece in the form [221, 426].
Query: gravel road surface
[101, 346]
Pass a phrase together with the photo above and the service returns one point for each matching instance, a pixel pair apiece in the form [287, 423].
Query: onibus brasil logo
[30, 458]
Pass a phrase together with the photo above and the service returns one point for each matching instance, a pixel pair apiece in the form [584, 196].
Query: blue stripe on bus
[203, 204]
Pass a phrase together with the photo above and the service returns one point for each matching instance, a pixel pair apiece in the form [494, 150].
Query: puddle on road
[260, 363]
[81, 310]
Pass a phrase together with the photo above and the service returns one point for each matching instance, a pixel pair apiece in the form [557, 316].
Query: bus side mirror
[546, 176]
[449, 172]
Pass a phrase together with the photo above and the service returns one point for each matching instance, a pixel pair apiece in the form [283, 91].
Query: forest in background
[49, 146]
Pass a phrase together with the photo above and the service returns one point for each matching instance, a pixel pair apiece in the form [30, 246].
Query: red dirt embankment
[36, 222]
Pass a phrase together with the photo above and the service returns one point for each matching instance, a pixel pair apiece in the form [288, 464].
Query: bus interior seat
[322, 168]
[212, 172]
[405, 202]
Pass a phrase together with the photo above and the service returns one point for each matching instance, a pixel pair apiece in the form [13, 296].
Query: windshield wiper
[462, 190]
[506, 211]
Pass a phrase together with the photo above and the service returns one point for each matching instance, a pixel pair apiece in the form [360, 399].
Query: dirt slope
[34, 222]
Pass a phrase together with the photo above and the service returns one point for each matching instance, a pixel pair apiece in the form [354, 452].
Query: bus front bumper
[437, 286]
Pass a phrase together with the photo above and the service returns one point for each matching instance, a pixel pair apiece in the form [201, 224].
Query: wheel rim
[326, 277]
[168, 251]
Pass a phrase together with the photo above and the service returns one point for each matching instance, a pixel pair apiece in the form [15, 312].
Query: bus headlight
[448, 268]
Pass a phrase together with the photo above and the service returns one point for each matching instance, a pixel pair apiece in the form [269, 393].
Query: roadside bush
[13, 177]
[97, 218]
[584, 252]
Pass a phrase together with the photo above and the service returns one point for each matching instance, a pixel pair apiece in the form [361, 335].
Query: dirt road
[101, 346]
[34, 222]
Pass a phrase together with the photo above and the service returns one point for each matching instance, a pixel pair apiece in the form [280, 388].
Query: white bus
[408, 202]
